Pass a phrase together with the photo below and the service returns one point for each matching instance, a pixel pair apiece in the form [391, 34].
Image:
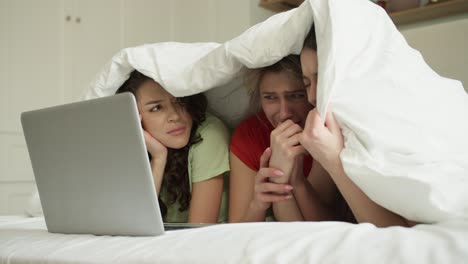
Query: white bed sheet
[26, 240]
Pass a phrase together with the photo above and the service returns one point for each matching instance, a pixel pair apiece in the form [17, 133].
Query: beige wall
[443, 44]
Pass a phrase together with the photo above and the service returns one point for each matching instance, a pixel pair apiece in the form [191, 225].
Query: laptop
[92, 169]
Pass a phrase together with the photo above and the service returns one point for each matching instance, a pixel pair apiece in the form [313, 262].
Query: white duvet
[26, 240]
[405, 129]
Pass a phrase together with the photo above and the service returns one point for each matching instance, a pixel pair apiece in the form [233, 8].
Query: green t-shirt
[206, 159]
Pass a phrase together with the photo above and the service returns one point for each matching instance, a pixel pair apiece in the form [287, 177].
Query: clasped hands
[281, 165]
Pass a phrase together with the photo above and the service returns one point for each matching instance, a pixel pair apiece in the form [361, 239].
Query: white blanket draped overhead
[405, 129]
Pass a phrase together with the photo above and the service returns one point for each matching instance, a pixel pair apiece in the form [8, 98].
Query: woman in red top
[269, 167]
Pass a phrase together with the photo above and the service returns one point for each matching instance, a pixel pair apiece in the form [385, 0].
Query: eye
[155, 108]
[269, 97]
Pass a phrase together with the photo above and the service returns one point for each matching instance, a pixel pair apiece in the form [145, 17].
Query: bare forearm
[363, 208]
[287, 211]
[206, 200]
[309, 203]
[253, 214]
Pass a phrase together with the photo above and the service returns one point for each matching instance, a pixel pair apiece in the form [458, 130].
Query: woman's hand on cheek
[157, 150]
[323, 142]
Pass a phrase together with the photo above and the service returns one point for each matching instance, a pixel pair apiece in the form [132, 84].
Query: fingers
[294, 140]
[292, 148]
[313, 120]
[286, 129]
[283, 126]
[292, 130]
[332, 124]
[264, 173]
[298, 150]
[273, 197]
[268, 192]
[269, 187]
[286, 138]
[265, 158]
[317, 129]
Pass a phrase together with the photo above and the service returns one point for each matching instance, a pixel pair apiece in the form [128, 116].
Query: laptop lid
[91, 168]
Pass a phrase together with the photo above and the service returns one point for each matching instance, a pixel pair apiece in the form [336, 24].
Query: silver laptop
[91, 168]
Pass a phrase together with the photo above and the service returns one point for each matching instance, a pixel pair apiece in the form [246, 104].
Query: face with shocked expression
[163, 117]
[282, 98]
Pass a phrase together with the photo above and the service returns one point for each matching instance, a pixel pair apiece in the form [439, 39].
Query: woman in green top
[188, 150]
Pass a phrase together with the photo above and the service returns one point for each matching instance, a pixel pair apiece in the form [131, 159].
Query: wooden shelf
[280, 5]
[428, 12]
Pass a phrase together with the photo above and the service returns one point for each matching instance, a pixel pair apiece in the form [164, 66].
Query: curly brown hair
[176, 177]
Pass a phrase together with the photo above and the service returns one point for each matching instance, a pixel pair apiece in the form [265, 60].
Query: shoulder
[251, 122]
[214, 136]
[250, 139]
[253, 127]
[210, 157]
[213, 127]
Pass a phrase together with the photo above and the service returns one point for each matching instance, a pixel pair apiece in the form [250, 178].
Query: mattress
[26, 240]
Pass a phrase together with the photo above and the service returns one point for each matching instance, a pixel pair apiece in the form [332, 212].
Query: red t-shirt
[252, 137]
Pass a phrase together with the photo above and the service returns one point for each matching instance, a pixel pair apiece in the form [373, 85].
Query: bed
[26, 240]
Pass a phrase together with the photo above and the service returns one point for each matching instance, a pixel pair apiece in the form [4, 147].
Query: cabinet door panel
[30, 78]
[92, 37]
[31, 63]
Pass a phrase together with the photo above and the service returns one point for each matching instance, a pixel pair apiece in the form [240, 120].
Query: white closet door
[30, 71]
[31, 61]
[92, 36]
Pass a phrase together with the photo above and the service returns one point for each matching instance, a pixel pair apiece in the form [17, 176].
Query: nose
[285, 110]
[173, 112]
[312, 95]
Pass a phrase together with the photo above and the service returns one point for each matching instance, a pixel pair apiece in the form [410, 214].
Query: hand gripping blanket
[405, 128]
